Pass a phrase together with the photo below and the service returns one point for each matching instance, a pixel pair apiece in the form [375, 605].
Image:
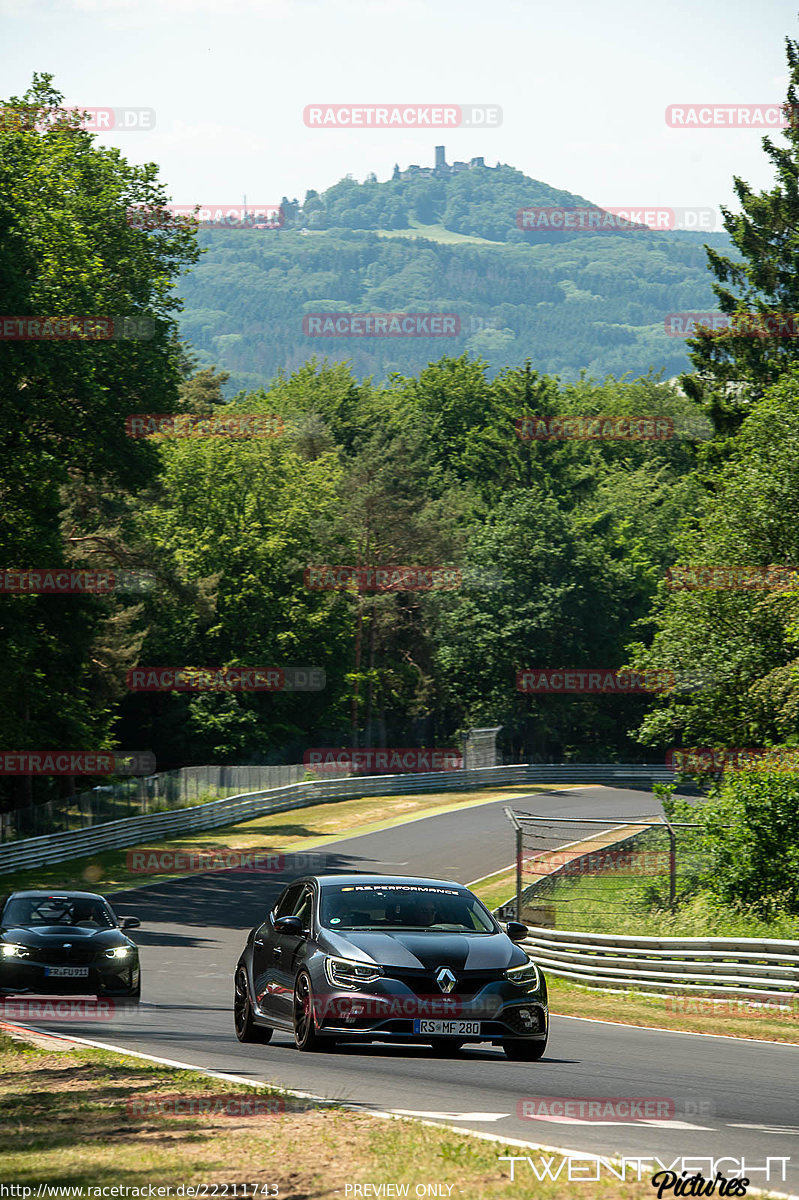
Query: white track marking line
[450, 1116]
[728, 1037]
[383, 1115]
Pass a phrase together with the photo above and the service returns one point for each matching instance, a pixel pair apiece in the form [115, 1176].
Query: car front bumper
[109, 978]
[502, 1011]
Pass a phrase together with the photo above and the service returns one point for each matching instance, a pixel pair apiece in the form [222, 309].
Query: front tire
[246, 1029]
[524, 1050]
[305, 1036]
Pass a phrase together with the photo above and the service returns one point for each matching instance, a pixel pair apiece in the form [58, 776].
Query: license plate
[67, 972]
[448, 1028]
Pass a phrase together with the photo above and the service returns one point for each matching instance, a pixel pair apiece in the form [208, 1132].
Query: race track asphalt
[733, 1098]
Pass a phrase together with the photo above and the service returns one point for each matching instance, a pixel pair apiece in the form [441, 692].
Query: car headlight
[343, 972]
[13, 950]
[118, 952]
[526, 976]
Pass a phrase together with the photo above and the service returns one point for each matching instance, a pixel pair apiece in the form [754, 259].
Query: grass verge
[70, 1118]
[735, 1017]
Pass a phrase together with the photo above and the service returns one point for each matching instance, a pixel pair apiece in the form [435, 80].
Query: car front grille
[423, 983]
[57, 955]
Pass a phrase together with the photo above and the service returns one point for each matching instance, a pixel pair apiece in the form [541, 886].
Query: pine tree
[735, 366]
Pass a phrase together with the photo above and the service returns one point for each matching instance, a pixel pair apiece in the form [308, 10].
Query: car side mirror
[289, 925]
[129, 922]
[516, 931]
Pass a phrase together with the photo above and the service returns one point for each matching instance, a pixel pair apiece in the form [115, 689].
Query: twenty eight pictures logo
[402, 116]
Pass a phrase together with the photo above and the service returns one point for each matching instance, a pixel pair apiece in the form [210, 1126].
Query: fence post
[518, 874]
[511, 815]
[672, 864]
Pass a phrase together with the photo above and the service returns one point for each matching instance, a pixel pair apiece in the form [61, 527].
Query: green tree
[69, 250]
[734, 368]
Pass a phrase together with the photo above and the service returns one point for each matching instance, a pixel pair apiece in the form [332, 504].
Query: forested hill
[450, 244]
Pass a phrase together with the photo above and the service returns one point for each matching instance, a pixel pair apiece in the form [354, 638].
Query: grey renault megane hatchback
[385, 958]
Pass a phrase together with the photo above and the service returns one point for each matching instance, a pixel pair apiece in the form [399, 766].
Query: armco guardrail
[132, 831]
[721, 966]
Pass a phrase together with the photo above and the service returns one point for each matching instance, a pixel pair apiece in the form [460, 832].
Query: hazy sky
[583, 87]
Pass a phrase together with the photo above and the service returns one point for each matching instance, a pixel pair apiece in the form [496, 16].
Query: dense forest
[562, 545]
[571, 302]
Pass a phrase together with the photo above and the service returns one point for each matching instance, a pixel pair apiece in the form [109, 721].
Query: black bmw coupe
[66, 942]
[383, 958]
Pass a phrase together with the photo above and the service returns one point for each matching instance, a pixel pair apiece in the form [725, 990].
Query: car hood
[56, 935]
[426, 951]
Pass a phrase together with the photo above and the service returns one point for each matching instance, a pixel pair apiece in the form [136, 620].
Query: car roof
[57, 893]
[386, 880]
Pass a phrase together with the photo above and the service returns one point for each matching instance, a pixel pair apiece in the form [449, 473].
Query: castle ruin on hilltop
[442, 169]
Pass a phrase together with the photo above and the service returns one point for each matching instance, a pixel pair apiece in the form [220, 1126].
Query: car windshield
[391, 907]
[58, 910]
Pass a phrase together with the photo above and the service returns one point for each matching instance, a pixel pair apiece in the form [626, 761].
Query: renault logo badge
[445, 979]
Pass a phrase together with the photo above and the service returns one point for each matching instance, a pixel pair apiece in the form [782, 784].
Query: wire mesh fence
[135, 796]
[600, 875]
